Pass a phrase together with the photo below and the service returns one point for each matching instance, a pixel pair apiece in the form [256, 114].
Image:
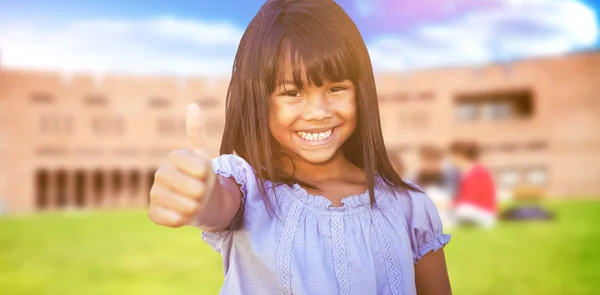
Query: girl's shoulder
[420, 215]
[232, 165]
[237, 168]
[403, 194]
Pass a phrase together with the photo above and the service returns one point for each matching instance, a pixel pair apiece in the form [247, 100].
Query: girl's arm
[222, 205]
[431, 274]
[188, 191]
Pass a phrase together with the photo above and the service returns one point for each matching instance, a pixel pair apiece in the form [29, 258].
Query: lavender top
[313, 248]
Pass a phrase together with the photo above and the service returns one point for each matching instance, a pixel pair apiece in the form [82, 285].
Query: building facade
[93, 142]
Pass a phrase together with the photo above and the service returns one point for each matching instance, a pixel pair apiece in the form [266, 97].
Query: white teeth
[315, 136]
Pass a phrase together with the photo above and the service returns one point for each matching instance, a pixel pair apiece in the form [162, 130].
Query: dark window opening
[98, 186]
[117, 181]
[80, 188]
[61, 189]
[495, 105]
[41, 189]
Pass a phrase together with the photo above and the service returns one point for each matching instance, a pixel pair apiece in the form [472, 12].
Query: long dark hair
[323, 38]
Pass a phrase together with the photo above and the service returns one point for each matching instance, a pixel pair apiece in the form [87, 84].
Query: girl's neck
[336, 168]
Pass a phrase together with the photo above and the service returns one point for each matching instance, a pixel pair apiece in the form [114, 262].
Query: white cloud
[168, 45]
[518, 29]
[162, 45]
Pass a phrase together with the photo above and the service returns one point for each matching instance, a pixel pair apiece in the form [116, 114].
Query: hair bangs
[316, 56]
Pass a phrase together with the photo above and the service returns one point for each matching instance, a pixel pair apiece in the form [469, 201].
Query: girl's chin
[317, 157]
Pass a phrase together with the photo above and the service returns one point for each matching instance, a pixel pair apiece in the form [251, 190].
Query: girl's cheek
[281, 115]
[346, 107]
[289, 112]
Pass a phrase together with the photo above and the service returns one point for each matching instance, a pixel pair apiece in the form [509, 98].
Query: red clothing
[477, 189]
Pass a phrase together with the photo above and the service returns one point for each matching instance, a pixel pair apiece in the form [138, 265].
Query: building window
[537, 146]
[42, 98]
[108, 125]
[494, 106]
[51, 151]
[507, 147]
[466, 112]
[170, 126]
[537, 176]
[55, 124]
[134, 181]
[207, 102]
[509, 177]
[95, 100]
[159, 102]
[413, 120]
[396, 97]
[41, 189]
[496, 110]
[425, 96]
[400, 97]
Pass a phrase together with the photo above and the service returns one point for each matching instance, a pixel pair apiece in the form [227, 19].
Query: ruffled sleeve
[235, 167]
[427, 233]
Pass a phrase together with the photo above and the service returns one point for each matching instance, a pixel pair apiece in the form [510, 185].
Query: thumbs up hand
[183, 184]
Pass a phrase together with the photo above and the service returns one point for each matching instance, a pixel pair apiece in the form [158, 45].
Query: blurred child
[475, 202]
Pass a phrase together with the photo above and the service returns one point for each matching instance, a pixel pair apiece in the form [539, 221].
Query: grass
[123, 253]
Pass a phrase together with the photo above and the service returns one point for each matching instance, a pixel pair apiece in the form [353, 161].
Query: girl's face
[312, 123]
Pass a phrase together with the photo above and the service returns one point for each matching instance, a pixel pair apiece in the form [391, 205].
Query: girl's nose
[317, 109]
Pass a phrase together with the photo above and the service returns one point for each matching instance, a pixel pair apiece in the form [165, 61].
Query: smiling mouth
[315, 136]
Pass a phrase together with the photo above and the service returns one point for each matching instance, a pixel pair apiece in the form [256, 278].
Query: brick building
[85, 141]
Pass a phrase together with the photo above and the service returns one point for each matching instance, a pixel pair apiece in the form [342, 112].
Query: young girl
[303, 199]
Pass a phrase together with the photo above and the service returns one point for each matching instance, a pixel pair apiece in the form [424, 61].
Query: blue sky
[200, 37]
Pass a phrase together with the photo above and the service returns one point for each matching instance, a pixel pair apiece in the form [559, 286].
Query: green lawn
[123, 253]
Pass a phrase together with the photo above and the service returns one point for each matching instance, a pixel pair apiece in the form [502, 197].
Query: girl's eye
[337, 89]
[292, 93]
